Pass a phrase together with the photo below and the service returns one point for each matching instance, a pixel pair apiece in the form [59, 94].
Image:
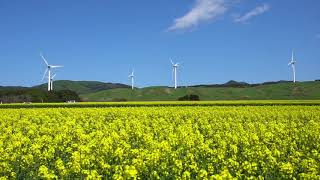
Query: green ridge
[82, 87]
[286, 91]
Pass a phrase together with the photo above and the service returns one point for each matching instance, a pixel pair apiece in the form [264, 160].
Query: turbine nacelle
[175, 65]
[52, 77]
[132, 74]
[292, 63]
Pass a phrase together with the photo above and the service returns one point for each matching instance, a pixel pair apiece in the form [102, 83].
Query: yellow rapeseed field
[180, 142]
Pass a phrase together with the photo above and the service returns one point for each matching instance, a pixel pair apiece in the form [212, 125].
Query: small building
[71, 101]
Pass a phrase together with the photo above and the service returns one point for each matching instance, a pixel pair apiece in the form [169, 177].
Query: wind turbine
[132, 79]
[175, 66]
[51, 82]
[48, 70]
[292, 63]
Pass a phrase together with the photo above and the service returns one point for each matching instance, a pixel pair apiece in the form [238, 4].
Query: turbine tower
[51, 82]
[292, 63]
[132, 79]
[48, 70]
[175, 66]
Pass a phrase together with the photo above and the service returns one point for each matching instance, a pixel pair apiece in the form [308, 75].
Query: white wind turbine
[175, 66]
[48, 70]
[292, 63]
[51, 82]
[131, 76]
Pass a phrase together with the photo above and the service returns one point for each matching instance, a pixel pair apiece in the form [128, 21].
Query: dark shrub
[191, 97]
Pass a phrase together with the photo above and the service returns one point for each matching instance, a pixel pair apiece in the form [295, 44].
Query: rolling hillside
[283, 90]
[232, 90]
[83, 87]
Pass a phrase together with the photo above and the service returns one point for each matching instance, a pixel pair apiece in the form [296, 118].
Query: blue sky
[217, 40]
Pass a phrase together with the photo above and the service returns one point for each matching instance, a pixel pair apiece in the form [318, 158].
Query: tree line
[36, 95]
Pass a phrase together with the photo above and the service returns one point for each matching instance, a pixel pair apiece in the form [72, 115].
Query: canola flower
[214, 142]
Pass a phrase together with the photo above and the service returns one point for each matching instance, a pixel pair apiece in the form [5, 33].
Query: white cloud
[255, 12]
[202, 11]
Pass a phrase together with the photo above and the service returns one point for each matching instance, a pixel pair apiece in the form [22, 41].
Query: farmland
[91, 91]
[270, 140]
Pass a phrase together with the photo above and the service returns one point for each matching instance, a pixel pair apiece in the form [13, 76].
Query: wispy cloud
[202, 11]
[255, 12]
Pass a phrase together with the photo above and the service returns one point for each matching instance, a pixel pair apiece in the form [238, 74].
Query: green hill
[82, 87]
[11, 87]
[232, 90]
[273, 91]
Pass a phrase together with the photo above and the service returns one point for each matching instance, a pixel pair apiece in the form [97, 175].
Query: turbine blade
[171, 61]
[173, 74]
[44, 59]
[56, 66]
[292, 56]
[53, 76]
[44, 74]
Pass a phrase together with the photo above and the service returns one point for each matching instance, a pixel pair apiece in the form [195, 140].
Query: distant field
[166, 104]
[281, 91]
[161, 140]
